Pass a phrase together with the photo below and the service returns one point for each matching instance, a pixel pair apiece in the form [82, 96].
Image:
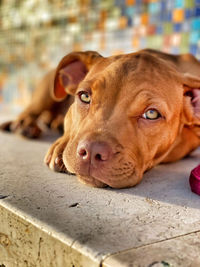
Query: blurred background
[36, 34]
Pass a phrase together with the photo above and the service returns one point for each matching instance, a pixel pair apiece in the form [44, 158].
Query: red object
[195, 180]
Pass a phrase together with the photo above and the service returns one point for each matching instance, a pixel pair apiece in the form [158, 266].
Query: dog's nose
[94, 151]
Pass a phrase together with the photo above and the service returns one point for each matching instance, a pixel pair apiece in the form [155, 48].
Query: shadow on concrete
[169, 183]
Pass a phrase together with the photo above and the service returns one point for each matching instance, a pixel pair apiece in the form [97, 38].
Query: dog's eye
[85, 97]
[151, 114]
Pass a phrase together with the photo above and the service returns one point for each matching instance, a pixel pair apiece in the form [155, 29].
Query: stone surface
[180, 251]
[90, 221]
[23, 244]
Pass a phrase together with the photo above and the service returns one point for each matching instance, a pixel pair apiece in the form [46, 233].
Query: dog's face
[126, 117]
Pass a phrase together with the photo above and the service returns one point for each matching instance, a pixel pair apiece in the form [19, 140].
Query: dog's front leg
[54, 156]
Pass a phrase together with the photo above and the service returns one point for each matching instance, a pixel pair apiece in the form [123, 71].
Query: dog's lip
[118, 181]
[103, 180]
[88, 178]
[103, 176]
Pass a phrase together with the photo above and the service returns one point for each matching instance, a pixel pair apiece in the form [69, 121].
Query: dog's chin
[106, 181]
[104, 177]
[91, 181]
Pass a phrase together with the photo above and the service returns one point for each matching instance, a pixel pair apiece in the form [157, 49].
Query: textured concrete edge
[37, 223]
[183, 250]
[24, 244]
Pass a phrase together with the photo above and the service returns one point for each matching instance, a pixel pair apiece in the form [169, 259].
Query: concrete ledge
[23, 244]
[51, 219]
[179, 251]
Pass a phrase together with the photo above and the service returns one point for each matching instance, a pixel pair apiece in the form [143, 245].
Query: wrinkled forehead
[135, 72]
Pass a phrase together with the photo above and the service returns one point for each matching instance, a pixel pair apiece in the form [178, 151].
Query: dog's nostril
[93, 152]
[83, 153]
[98, 157]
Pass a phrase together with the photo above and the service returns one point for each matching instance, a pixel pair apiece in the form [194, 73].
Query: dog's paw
[26, 127]
[53, 158]
[30, 130]
[52, 121]
[6, 126]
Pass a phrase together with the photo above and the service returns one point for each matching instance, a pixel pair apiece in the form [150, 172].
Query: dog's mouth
[117, 169]
[115, 177]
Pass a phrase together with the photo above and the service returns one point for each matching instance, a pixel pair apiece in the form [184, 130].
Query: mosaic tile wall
[35, 34]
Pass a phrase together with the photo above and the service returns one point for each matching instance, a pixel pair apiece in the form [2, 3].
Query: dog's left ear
[191, 101]
[71, 70]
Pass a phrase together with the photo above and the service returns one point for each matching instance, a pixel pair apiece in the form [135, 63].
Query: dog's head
[129, 111]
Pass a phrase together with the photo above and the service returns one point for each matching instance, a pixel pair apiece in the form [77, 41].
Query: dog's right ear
[191, 100]
[71, 70]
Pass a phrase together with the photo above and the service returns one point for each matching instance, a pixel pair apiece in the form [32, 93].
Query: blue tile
[159, 29]
[168, 16]
[163, 5]
[130, 22]
[189, 13]
[197, 11]
[193, 49]
[177, 27]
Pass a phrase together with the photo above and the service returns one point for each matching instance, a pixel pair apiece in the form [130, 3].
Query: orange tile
[102, 20]
[130, 2]
[144, 18]
[178, 15]
[135, 42]
[103, 14]
[123, 21]
[84, 2]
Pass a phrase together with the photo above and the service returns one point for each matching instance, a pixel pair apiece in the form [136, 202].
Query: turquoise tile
[179, 3]
[194, 37]
[154, 8]
[195, 24]
[130, 11]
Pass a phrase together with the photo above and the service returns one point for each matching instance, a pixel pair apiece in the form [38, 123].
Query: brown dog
[130, 112]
